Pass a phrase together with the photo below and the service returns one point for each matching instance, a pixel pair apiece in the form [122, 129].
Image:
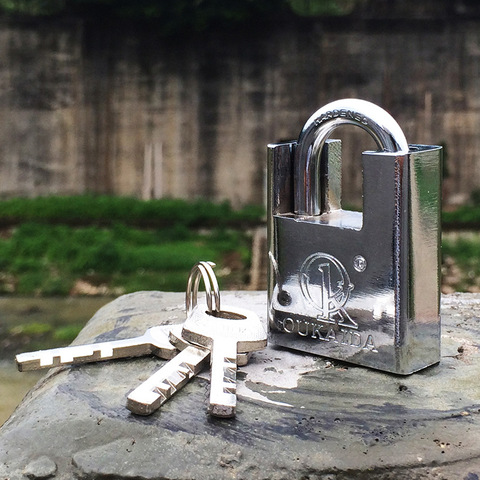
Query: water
[28, 324]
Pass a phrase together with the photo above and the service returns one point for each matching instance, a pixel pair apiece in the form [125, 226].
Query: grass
[461, 265]
[103, 210]
[463, 218]
[42, 259]
[118, 244]
[53, 246]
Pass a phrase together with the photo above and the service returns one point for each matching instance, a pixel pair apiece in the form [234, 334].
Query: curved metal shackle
[202, 270]
[375, 120]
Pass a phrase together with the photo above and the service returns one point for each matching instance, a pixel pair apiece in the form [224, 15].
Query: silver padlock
[361, 287]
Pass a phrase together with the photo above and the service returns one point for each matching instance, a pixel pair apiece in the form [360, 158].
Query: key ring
[202, 270]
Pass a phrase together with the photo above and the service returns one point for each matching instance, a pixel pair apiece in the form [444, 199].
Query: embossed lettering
[291, 325]
[341, 113]
[370, 345]
[347, 335]
[316, 333]
[331, 336]
[306, 325]
[355, 339]
[326, 333]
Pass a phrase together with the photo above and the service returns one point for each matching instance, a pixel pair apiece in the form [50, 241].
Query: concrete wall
[88, 107]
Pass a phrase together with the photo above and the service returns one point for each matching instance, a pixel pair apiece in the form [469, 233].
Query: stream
[27, 324]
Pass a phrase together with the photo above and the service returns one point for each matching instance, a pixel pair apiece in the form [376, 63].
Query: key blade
[156, 390]
[61, 356]
[223, 386]
[155, 340]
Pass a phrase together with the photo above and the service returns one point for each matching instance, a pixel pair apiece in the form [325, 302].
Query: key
[175, 337]
[171, 377]
[164, 383]
[158, 388]
[225, 333]
[153, 341]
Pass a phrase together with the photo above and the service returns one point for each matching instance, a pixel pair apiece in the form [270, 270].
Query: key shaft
[154, 341]
[164, 383]
[223, 384]
[226, 333]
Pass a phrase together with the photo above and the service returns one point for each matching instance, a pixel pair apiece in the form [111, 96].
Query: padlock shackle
[383, 128]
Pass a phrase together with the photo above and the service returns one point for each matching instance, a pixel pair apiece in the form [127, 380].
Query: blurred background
[133, 139]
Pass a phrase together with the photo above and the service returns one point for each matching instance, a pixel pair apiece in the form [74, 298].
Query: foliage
[31, 329]
[66, 333]
[49, 260]
[107, 211]
[32, 7]
[461, 254]
[182, 15]
[475, 197]
[465, 217]
[318, 8]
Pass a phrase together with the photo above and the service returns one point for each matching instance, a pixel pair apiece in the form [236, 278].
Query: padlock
[361, 287]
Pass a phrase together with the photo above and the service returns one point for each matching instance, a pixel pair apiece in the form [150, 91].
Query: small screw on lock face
[284, 298]
[359, 263]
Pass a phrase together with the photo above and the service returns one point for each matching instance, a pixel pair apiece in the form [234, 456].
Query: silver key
[226, 333]
[153, 341]
[159, 387]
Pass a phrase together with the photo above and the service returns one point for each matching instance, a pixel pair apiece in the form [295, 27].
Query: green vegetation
[100, 245]
[92, 245]
[33, 323]
[461, 261]
[464, 218]
[182, 16]
[51, 260]
[105, 210]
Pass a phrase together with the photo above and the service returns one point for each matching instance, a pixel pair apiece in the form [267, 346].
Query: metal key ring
[202, 270]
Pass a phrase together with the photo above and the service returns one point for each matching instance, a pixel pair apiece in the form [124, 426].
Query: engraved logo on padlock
[356, 286]
[326, 285]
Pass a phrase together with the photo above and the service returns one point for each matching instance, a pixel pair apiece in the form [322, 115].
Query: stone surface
[299, 417]
[42, 467]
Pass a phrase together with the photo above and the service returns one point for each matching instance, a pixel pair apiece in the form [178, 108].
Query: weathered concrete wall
[117, 109]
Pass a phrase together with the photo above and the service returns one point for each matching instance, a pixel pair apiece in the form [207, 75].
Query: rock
[42, 467]
[298, 416]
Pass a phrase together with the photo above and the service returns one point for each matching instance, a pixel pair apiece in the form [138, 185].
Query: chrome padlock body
[357, 287]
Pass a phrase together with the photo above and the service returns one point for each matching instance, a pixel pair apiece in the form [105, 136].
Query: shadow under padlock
[358, 287]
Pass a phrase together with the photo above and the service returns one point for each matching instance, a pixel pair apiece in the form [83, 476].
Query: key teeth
[232, 390]
[26, 365]
[173, 387]
[186, 369]
[150, 402]
[164, 395]
[142, 401]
